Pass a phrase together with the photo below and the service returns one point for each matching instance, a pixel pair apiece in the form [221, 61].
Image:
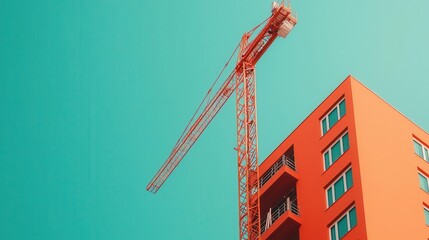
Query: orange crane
[243, 80]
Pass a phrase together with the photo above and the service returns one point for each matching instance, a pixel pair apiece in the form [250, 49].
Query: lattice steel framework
[242, 80]
[247, 149]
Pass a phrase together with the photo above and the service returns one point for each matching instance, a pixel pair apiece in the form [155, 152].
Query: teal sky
[94, 94]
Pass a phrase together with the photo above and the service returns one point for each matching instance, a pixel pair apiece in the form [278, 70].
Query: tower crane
[242, 80]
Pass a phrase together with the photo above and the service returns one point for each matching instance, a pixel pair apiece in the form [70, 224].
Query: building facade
[354, 169]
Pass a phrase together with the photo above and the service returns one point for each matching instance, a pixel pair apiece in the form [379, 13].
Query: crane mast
[242, 80]
[247, 149]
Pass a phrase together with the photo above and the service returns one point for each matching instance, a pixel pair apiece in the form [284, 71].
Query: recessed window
[336, 150]
[329, 120]
[424, 184]
[426, 211]
[421, 150]
[339, 187]
[346, 223]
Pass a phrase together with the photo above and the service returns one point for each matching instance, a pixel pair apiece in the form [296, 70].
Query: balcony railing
[290, 203]
[283, 161]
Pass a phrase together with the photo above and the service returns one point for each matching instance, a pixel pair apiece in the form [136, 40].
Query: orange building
[354, 169]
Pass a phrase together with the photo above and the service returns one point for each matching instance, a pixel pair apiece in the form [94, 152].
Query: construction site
[214, 120]
[326, 180]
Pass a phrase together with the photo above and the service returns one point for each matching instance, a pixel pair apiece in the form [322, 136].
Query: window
[337, 112]
[423, 180]
[339, 187]
[426, 211]
[336, 150]
[421, 150]
[347, 222]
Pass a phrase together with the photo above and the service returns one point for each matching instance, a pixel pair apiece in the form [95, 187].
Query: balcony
[283, 161]
[282, 220]
[281, 175]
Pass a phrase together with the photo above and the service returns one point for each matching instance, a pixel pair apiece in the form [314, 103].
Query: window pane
[327, 162]
[339, 188]
[346, 142]
[352, 215]
[427, 216]
[330, 200]
[342, 227]
[324, 126]
[349, 179]
[418, 149]
[423, 183]
[427, 155]
[336, 151]
[333, 117]
[333, 233]
[342, 108]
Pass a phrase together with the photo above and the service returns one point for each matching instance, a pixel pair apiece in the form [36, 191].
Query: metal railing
[294, 15]
[283, 161]
[290, 204]
[287, 4]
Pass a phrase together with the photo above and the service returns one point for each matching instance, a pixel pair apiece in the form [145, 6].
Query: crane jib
[251, 55]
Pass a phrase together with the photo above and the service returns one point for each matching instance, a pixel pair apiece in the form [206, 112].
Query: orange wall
[391, 194]
[309, 147]
[386, 192]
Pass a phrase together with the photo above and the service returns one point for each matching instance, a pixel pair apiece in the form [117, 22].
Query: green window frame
[333, 233]
[333, 116]
[421, 150]
[336, 150]
[339, 187]
[345, 223]
[426, 212]
[423, 181]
